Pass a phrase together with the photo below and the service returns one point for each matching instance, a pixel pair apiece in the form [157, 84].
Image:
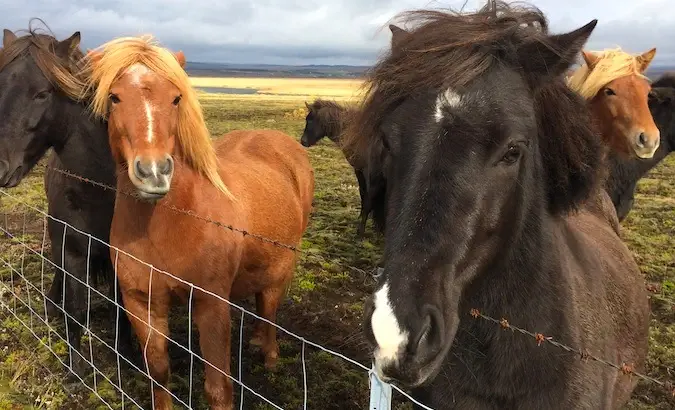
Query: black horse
[495, 203]
[328, 119]
[625, 173]
[39, 107]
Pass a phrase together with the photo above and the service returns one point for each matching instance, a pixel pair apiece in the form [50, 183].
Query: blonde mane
[116, 56]
[611, 65]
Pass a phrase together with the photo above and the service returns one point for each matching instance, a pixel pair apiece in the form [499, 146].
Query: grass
[325, 302]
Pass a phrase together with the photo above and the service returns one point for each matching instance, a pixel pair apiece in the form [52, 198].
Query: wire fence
[25, 279]
[119, 382]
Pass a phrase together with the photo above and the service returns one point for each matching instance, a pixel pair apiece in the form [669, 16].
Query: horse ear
[7, 38]
[94, 56]
[645, 59]
[308, 106]
[66, 47]
[544, 60]
[397, 35]
[181, 58]
[590, 58]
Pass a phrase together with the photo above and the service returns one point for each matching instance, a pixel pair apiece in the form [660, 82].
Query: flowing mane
[446, 49]
[194, 139]
[611, 65]
[63, 74]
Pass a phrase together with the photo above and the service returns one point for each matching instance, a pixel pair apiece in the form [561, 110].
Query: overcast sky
[316, 32]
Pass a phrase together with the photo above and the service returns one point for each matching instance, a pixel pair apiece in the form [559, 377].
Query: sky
[298, 32]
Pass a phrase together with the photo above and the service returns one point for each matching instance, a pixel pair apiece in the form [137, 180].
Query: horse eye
[177, 100]
[609, 91]
[42, 95]
[511, 155]
[114, 98]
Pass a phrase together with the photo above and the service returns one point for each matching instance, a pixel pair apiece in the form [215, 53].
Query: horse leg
[55, 294]
[365, 203]
[212, 317]
[74, 298]
[152, 343]
[267, 304]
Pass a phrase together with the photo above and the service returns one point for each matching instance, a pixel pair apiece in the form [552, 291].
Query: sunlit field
[282, 88]
[332, 280]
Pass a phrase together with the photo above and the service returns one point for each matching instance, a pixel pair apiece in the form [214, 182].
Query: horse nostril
[166, 166]
[430, 333]
[642, 139]
[142, 171]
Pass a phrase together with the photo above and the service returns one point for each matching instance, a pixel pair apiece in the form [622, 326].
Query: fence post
[380, 392]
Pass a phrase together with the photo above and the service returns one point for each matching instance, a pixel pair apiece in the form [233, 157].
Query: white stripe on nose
[388, 335]
[148, 114]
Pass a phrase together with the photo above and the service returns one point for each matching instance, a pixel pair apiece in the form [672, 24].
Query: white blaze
[388, 335]
[148, 114]
[449, 98]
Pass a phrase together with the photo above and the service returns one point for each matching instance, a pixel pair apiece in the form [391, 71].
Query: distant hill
[197, 69]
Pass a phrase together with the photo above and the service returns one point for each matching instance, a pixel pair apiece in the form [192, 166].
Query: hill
[199, 69]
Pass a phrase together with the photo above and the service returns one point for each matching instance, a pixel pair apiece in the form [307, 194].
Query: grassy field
[325, 302]
[285, 88]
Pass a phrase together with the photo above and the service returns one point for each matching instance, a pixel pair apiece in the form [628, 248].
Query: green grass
[325, 302]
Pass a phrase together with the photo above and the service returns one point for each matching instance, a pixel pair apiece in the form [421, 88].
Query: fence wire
[381, 393]
[26, 296]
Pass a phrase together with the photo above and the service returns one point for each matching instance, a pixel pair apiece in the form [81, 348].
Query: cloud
[303, 32]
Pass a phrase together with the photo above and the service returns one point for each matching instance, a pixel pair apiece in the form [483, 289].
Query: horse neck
[82, 145]
[335, 125]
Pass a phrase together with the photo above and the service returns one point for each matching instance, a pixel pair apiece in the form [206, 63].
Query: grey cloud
[305, 32]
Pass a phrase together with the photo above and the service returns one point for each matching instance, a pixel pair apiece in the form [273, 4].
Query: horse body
[490, 360]
[494, 184]
[328, 119]
[79, 147]
[259, 182]
[625, 173]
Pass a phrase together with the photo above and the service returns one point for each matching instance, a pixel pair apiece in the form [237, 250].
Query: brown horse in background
[614, 84]
[257, 181]
[327, 118]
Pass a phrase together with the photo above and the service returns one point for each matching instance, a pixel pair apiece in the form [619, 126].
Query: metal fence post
[380, 392]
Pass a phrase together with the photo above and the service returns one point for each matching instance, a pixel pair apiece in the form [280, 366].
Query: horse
[327, 118]
[626, 172]
[495, 205]
[614, 85]
[40, 109]
[258, 181]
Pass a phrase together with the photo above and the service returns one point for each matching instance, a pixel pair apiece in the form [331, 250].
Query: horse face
[31, 110]
[143, 124]
[313, 131]
[456, 180]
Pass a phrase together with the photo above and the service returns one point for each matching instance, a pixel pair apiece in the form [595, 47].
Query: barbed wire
[540, 338]
[192, 287]
[625, 368]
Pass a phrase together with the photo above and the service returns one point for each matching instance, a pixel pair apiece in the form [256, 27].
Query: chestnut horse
[495, 202]
[257, 181]
[616, 89]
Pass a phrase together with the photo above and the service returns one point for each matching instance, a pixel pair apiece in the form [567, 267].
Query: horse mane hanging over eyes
[449, 50]
[117, 56]
[63, 73]
[443, 49]
[611, 65]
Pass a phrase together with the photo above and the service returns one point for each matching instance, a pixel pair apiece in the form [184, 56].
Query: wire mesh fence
[120, 380]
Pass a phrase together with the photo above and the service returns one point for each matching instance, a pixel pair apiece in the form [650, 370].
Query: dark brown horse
[257, 181]
[40, 108]
[327, 118]
[495, 202]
